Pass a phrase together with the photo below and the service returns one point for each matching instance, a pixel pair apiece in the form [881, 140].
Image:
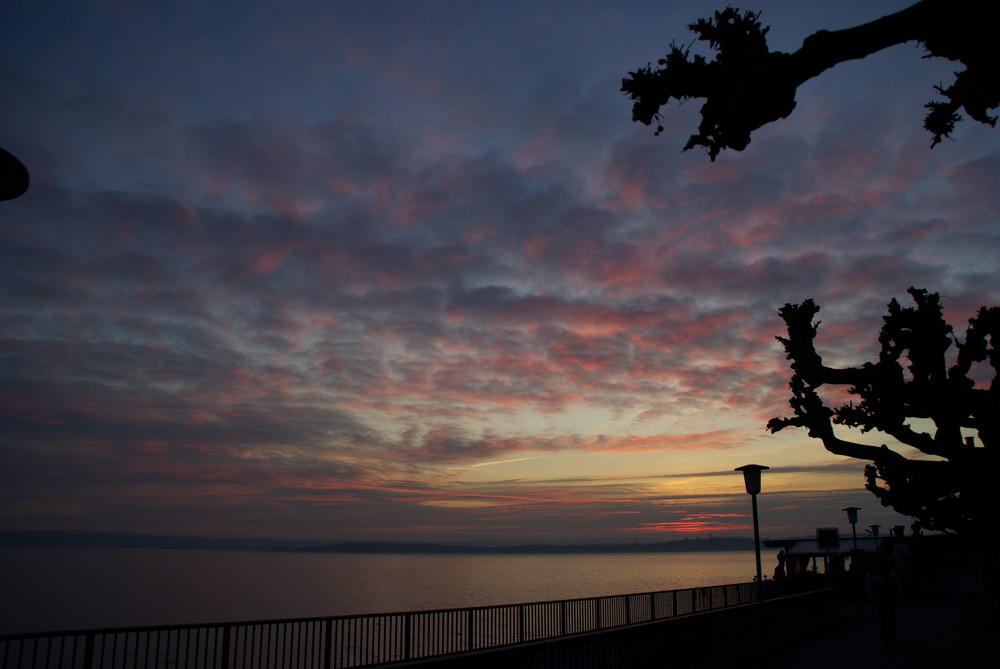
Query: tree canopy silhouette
[949, 482]
[747, 85]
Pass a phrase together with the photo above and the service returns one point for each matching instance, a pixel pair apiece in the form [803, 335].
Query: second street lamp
[852, 518]
[874, 532]
[751, 479]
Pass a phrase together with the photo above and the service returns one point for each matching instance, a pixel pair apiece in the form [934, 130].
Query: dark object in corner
[14, 177]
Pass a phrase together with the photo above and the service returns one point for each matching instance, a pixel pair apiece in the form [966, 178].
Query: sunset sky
[407, 271]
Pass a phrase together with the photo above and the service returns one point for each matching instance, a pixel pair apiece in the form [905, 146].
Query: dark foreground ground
[932, 632]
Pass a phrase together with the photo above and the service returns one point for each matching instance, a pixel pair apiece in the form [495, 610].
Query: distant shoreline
[676, 546]
[74, 539]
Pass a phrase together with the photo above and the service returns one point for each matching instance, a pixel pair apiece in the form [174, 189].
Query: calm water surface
[72, 588]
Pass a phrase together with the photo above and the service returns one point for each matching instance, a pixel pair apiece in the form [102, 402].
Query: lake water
[47, 589]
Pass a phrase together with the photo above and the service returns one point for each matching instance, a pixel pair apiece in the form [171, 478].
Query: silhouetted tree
[951, 484]
[747, 85]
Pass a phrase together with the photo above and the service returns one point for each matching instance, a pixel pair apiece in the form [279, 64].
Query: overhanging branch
[747, 85]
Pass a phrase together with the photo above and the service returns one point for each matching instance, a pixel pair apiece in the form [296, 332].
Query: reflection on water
[64, 588]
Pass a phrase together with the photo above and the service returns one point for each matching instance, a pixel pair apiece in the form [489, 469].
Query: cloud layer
[299, 271]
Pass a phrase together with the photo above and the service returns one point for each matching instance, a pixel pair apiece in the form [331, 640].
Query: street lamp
[856, 561]
[852, 518]
[874, 533]
[751, 478]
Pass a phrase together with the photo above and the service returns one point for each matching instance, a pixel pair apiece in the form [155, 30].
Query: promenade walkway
[937, 632]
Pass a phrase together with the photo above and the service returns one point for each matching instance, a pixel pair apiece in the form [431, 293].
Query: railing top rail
[318, 619]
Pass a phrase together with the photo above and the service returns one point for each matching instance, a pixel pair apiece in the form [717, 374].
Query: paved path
[932, 632]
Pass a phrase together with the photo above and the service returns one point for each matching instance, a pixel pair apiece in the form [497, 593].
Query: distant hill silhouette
[680, 545]
[76, 539]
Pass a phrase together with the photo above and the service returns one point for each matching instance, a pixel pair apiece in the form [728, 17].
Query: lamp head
[852, 514]
[751, 477]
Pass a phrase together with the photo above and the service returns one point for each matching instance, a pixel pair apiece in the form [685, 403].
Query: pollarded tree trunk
[953, 485]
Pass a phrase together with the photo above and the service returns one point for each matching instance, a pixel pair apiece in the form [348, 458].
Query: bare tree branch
[747, 85]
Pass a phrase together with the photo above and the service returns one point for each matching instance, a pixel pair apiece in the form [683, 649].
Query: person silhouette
[883, 586]
[779, 570]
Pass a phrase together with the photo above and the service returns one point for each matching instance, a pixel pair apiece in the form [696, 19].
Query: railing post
[652, 606]
[226, 636]
[674, 594]
[328, 644]
[469, 628]
[520, 623]
[88, 652]
[597, 613]
[407, 635]
[562, 617]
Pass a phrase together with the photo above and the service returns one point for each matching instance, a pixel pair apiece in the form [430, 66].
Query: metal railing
[354, 641]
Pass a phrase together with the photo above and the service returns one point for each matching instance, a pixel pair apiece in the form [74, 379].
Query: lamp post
[874, 533]
[751, 478]
[852, 518]
[856, 563]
